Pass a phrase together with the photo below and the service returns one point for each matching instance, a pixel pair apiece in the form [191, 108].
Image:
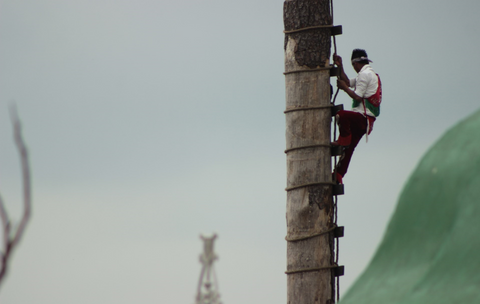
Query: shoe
[343, 141]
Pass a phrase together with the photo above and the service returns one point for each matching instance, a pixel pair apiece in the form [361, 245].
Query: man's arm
[338, 61]
[343, 86]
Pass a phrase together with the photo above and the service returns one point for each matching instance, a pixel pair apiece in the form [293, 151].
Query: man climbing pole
[367, 96]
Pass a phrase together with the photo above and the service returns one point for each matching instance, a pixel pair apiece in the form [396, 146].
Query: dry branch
[12, 238]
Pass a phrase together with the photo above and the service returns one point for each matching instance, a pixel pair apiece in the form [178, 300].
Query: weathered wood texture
[309, 209]
[312, 47]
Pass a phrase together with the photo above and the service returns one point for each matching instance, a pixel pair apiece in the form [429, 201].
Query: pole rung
[336, 30]
[336, 109]
[338, 232]
[338, 189]
[336, 150]
[339, 271]
[334, 72]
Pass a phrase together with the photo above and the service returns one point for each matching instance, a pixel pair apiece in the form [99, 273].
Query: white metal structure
[207, 292]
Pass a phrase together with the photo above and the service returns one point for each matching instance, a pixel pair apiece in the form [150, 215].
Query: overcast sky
[152, 122]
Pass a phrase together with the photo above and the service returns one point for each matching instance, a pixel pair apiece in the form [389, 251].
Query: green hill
[431, 249]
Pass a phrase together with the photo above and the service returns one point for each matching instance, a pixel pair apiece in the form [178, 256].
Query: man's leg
[354, 125]
[344, 121]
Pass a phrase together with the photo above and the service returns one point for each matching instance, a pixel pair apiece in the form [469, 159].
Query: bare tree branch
[22, 150]
[5, 223]
[11, 240]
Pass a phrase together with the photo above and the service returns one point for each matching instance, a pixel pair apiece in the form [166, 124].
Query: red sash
[376, 98]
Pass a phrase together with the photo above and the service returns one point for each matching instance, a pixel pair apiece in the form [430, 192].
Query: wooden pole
[308, 122]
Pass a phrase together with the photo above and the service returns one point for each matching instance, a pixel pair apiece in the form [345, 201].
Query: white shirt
[365, 85]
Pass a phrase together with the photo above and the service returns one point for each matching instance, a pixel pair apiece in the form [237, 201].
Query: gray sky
[150, 122]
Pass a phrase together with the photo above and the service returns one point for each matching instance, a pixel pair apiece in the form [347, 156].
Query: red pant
[355, 124]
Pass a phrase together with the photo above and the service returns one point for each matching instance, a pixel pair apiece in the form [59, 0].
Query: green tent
[431, 249]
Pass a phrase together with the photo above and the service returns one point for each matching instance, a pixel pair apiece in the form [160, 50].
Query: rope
[335, 202]
[309, 70]
[306, 108]
[307, 185]
[307, 147]
[310, 269]
[308, 28]
[301, 238]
